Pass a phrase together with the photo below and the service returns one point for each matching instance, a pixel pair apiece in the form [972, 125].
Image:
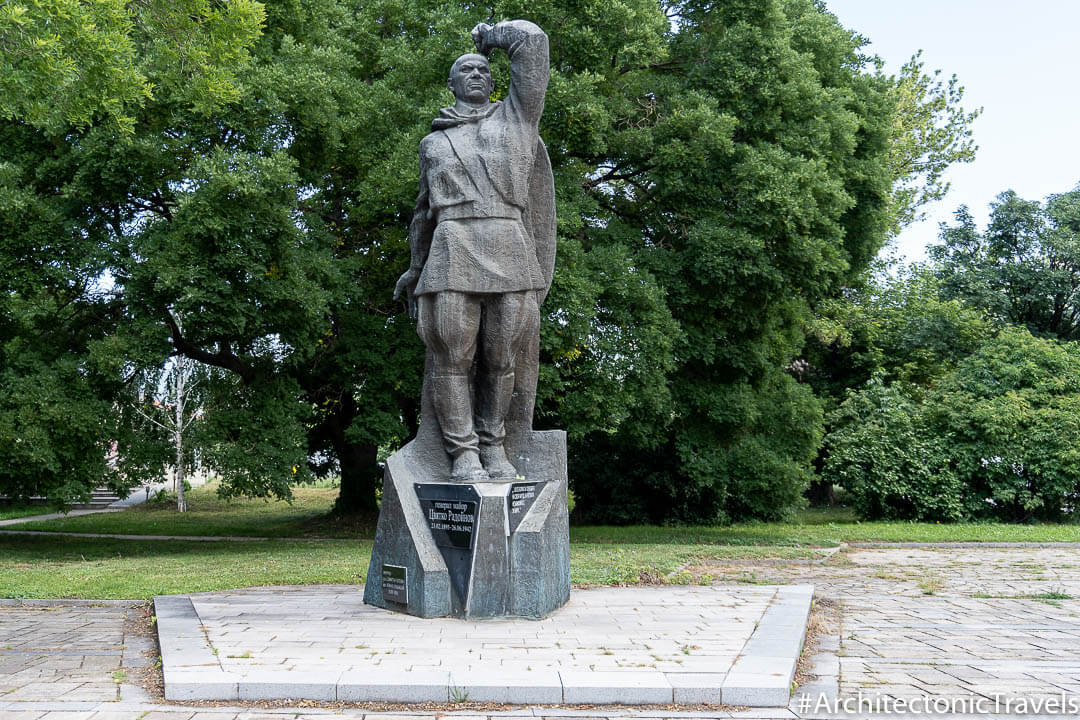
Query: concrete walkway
[969, 630]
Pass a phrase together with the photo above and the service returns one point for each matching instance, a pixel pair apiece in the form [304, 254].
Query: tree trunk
[821, 493]
[359, 477]
[178, 439]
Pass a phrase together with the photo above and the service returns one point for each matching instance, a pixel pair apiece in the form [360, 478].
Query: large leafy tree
[78, 79]
[931, 131]
[245, 190]
[783, 205]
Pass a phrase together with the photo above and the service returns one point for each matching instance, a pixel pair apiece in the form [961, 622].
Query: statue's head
[470, 78]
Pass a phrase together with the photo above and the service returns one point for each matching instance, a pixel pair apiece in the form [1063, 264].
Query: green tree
[1011, 415]
[73, 63]
[746, 228]
[75, 72]
[897, 326]
[894, 326]
[931, 130]
[881, 450]
[1024, 269]
[57, 423]
[261, 193]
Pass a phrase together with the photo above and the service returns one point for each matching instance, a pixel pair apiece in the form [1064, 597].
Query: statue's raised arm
[527, 46]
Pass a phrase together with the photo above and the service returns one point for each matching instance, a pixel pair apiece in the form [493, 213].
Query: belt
[475, 211]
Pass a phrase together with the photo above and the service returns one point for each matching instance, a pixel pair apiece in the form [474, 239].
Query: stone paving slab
[991, 623]
[68, 657]
[610, 645]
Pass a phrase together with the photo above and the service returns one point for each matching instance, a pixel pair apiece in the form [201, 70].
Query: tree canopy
[955, 391]
[1024, 269]
[232, 183]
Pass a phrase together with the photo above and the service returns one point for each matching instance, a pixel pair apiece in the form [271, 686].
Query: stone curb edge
[762, 674]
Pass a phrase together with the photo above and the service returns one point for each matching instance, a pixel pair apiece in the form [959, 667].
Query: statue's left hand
[406, 286]
[480, 36]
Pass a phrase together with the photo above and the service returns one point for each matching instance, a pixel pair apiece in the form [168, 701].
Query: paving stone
[600, 633]
[905, 642]
[201, 685]
[391, 686]
[756, 689]
[91, 691]
[780, 667]
[285, 685]
[42, 691]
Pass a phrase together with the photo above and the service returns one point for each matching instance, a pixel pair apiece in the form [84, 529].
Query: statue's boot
[493, 398]
[453, 409]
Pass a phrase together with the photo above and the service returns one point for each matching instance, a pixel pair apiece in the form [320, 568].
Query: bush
[164, 497]
[758, 473]
[996, 438]
[1011, 413]
[887, 460]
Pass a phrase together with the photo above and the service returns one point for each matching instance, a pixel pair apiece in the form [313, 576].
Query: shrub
[996, 438]
[1011, 414]
[892, 466]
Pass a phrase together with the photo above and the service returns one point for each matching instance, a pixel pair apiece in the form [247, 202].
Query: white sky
[1018, 61]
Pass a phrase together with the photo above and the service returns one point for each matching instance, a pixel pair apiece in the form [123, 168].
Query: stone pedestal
[476, 550]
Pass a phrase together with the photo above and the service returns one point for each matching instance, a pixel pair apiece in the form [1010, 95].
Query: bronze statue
[482, 239]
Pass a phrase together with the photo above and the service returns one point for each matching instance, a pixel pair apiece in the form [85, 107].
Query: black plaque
[452, 513]
[518, 501]
[395, 584]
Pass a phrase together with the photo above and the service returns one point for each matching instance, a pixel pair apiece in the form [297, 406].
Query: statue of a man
[482, 242]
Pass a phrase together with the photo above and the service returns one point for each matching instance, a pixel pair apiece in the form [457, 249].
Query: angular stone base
[515, 566]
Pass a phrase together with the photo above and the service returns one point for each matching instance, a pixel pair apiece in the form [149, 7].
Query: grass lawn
[209, 515]
[63, 567]
[828, 528]
[8, 512]
[306, 517]
[49, 567]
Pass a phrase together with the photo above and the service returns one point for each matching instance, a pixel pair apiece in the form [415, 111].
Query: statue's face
[470, 79]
